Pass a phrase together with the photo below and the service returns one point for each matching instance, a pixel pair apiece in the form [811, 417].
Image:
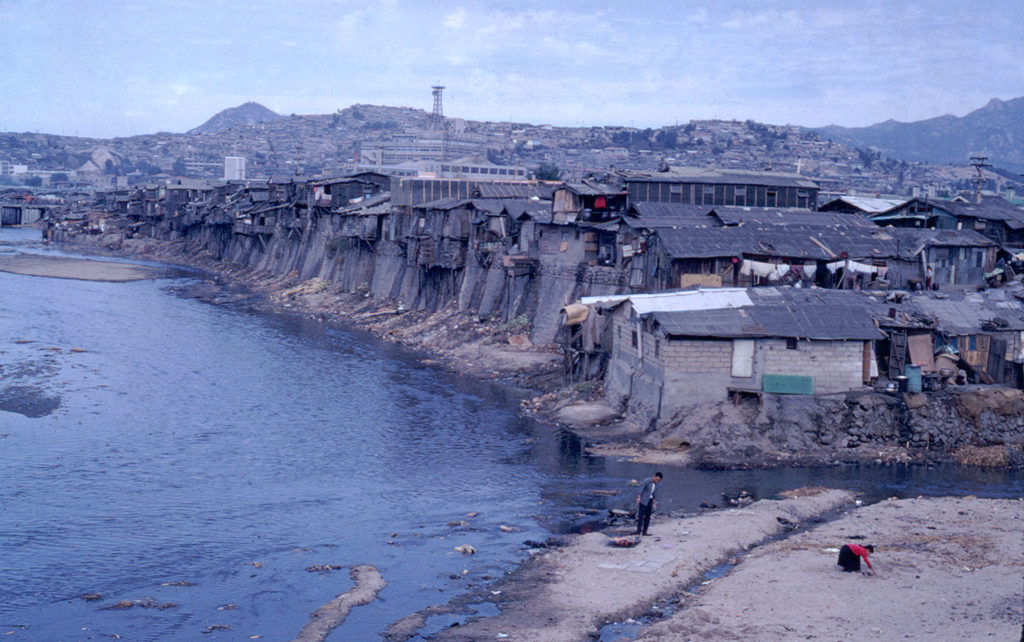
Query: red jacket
[862, 552]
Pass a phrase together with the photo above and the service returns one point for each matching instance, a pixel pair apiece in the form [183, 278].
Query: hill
[246, 114]
[995, 130]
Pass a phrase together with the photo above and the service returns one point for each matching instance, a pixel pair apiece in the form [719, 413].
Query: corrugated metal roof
[700, 299]
[964, 313]
[867, 204]
[593, 188]
[702, 175]
[781, 312]
[991, 208]
[733, 215]
[515, 190]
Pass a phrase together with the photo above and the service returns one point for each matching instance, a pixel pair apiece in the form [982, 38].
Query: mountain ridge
[248, 113]
[995, 130]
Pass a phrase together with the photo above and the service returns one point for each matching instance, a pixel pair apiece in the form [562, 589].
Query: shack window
[972, 342]
[790, 343]
[979, 256]
[675, 189]
[633, 338]
[657, 347]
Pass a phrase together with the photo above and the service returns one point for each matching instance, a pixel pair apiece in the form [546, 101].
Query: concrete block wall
[836, 366]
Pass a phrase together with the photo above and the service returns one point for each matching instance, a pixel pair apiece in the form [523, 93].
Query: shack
[675, 349]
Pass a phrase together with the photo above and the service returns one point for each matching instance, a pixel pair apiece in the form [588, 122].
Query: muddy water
[171, 453]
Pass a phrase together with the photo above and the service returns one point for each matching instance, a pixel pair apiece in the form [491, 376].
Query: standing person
[645, 503]
[850, 554]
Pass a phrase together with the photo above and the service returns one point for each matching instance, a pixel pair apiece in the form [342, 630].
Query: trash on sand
[626, 542]
[458, 523]
[508, 529]
[92, 597]
[473, 514]
[465, 549]
[217, 627]
[320, 568]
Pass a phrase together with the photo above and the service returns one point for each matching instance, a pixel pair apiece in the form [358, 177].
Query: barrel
[913, 372]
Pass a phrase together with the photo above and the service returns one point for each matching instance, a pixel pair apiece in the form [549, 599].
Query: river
[178, 454]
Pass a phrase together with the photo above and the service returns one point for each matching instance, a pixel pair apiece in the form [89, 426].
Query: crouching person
[850, 555]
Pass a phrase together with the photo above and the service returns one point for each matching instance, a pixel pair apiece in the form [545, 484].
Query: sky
[107, 68]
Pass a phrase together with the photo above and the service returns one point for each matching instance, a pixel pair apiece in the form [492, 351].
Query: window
[790, 343]
[657, 347]
[633, 338]
[979, 257]
[675, 189]
[972, 342]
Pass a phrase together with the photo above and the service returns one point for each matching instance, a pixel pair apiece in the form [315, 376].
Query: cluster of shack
[673, 286]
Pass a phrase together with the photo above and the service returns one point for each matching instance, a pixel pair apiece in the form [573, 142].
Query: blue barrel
[913, 372]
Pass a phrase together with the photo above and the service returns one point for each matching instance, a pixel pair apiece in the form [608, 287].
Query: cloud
[455, 20]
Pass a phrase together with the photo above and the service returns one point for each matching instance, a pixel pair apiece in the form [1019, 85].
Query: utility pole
[978, 163]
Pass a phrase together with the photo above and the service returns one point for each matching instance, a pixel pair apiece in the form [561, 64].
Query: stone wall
[857, 424]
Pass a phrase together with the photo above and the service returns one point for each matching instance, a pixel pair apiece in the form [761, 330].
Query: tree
[178, 168]
[59, 177]
[547, 172]
[33, 181]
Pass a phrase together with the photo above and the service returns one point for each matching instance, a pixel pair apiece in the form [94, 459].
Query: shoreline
[558, 583]
[488, 350]
[768, 571]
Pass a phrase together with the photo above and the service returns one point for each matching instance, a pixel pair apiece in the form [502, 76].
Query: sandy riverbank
[948, 568]
[64, 267]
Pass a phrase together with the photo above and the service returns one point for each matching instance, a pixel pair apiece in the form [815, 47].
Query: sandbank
[65, 267]
[948, 568]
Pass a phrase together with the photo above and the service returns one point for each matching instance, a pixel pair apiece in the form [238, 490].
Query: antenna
[978, 163]
[437, 118]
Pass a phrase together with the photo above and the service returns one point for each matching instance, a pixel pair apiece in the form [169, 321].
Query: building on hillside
[588, 200]
[676, 349]
[994, 216]
[234, 168]
[703, 186]
[863, 205]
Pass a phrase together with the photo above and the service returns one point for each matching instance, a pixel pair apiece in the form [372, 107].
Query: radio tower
[978, 163]
[437, 122]
[437, 118]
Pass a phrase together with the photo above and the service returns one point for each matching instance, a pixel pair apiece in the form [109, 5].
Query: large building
[704, 186]
[234, 168]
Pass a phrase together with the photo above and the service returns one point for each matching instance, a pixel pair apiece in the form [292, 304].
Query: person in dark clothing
[850, 554]
[645, 503]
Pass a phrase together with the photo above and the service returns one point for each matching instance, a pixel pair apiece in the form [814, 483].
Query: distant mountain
[996, 130]
[247, 114]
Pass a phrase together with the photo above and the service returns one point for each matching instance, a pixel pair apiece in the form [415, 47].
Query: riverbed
[193, 461]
